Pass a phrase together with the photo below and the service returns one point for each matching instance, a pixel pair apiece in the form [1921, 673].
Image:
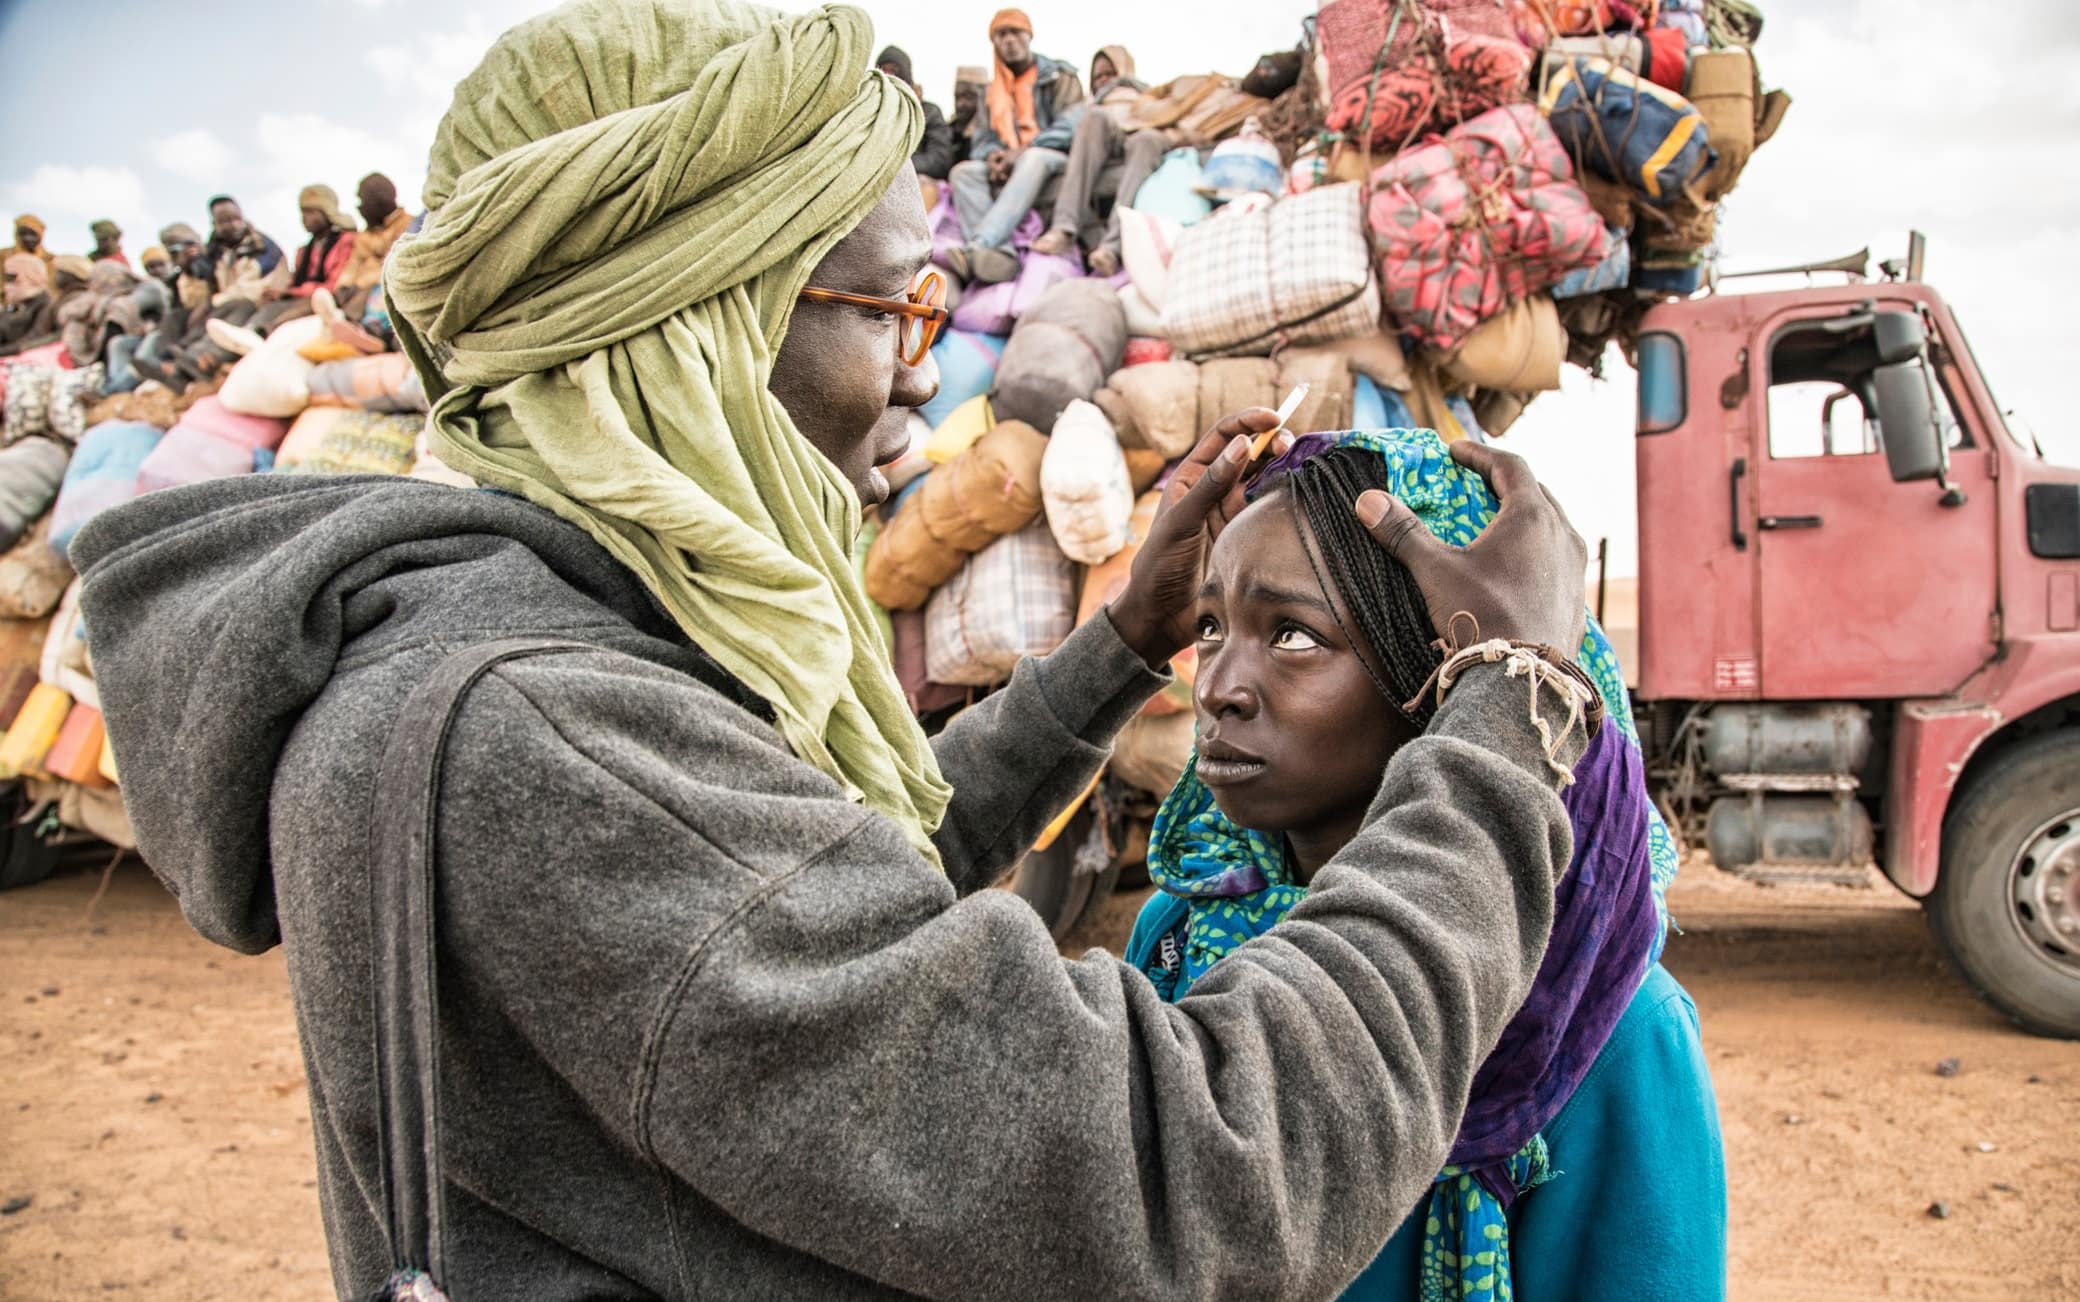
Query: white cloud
[429, 66]
[292, 150]
[62, 187]
[196, 154]
[69, 198]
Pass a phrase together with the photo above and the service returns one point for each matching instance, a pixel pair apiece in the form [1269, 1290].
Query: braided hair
[1386, 605]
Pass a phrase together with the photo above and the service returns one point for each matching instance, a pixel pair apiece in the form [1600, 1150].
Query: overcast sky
[1903, 119]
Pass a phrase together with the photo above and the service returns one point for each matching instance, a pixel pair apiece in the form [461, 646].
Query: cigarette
[1285, 413]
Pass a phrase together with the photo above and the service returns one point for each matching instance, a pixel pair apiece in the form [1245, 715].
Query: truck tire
[1050, 882]
[2006, 907]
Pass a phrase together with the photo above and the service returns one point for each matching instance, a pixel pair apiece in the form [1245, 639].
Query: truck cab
[1860, 619]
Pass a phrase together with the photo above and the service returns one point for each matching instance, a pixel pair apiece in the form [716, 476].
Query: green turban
[627, 196]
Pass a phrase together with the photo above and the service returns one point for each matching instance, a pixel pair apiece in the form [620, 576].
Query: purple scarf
[1604, 924]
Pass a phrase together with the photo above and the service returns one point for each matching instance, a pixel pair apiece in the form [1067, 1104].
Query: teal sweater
[1638, 1208]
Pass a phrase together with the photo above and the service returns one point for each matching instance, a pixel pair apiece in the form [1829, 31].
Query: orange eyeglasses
[923, 314]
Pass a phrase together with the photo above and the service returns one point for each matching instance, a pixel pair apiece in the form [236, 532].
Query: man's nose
[915, 385]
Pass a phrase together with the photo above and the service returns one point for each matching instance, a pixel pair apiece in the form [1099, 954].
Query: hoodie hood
[901, 60]
[1122, 63]
[221, 611]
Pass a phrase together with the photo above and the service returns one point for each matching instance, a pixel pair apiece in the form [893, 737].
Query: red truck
[1859, 627]
[1859, 617]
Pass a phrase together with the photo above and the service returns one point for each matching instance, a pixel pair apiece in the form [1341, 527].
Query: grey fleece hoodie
[708, 1029]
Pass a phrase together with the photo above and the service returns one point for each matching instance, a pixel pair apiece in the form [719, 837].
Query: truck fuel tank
[1832, 737]
[1755, 828]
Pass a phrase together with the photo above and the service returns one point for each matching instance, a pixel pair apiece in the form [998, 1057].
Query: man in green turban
[615, 751]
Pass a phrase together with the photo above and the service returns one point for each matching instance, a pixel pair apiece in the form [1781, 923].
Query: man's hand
[999, 166]
[1522, 578]
[1154, 614]
[272, 294]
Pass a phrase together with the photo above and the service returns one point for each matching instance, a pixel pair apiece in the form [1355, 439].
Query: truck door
[1864, 587]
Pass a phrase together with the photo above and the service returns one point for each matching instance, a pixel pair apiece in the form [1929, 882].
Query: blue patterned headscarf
[1609, 909]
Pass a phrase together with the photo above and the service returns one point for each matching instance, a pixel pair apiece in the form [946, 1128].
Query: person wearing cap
[934, 157]
[155, 299]
[28, 238]
[385, 223]
[319, 263]
[1021, 143]
[108, 242]
[182, 326]
[158, 264]
[1106, 149]
[970, 85]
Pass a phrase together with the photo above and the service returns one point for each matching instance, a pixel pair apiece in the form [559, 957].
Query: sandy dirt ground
[155, 1139]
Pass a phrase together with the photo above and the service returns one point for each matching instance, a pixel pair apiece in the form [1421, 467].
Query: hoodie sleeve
[1019, 756]
[934, 157]
[776, 1002]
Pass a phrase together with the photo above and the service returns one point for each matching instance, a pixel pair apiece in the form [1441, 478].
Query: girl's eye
[1209, 629]
[1292, 637]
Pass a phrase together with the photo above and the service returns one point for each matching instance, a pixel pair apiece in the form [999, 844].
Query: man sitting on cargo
[1022, 141]
[1105, 141]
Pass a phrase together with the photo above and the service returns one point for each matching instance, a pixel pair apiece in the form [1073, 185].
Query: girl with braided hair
[1588, 1163]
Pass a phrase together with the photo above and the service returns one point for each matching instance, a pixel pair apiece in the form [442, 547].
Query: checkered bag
[1014, 598]
[1298, 272]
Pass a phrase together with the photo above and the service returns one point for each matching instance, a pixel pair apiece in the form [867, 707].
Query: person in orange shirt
[1021, 142]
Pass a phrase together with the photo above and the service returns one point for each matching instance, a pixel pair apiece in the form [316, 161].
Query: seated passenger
[152, 302]
[1104, 141]
[28, 238]
[186, 313]
[1021, 142]
[385, 222]
[108, 242]
[101, 313]
[1588, 1163]
[319, 263]
[970, 85]
[30, 317]
[242, 265]
[934, 157]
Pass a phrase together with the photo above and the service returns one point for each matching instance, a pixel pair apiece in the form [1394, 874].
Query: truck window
[1663, 383]
[1819, 377]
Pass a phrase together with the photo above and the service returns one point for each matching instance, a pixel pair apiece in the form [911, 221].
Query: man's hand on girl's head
[1521, 579]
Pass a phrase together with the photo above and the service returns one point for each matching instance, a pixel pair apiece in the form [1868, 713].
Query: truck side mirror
[1907, 422]
[1898, 336]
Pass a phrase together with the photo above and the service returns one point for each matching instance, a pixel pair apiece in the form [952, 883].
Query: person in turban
[30, 318]
[616, 752]
[28, 238]
[319, 264]
[108, 242]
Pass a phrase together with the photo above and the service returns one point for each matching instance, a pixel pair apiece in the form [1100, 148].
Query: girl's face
[1293, 734]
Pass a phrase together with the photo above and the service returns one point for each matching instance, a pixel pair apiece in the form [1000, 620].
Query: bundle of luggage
[291, 404]
[1452, 199]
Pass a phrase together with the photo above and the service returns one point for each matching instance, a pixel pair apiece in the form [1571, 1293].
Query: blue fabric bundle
[1614, 272]
[967, 366]
[103, 474]
[1628, 129]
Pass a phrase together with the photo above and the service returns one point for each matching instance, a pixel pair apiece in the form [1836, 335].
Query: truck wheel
[2006, 906]
[1050, 881]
